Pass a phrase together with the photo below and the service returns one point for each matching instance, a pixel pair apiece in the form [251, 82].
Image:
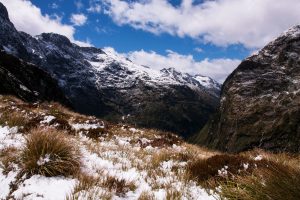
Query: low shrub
[48, 152]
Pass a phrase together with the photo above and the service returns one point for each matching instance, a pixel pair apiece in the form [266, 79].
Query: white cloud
[252, 23]
[21, 12]
[199, 50]
[86, 43]
[95, 8]
[217, 69]
[78, 19]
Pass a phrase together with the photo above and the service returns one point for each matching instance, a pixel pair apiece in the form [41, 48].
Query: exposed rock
[27, 81]
[260, 101]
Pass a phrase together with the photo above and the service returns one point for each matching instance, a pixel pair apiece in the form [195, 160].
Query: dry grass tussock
[50, 152]
[9, 156]
[102, 187]
[270, 182]
[252, 175]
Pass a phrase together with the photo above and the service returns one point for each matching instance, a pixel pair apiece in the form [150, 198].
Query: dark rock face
[3, 12]
[112, 87]
[27, 81]
[260, 101]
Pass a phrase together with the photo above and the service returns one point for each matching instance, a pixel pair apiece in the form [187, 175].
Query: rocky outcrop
[110, 86]
[27, 81]
[260, 101]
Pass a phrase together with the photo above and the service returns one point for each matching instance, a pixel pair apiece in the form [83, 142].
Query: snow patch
[9, 137]
[87, 126]
[40, 187]
[43, 160]
[258, 158]
[47, 119]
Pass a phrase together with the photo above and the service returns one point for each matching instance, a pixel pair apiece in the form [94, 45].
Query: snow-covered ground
[118, 157]
[127, 163]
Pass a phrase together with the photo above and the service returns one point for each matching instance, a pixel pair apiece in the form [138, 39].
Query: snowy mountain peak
[293, 32]
[170, 70]
[123, 67]
[207, 81]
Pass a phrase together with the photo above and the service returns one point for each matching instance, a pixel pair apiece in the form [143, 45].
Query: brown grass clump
[49, 152]
[85, 182]
[12, 119]
[224, 167]
[146, 196]
[166, 140]
[173, 195]
[94, 133]
[8, 157]
[62, 124]
[160, 157]
[273, 177]
[120, 186]
[270, 182]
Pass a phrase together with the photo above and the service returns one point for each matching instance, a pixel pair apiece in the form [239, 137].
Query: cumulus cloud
[78, 19]
[217, 69]
[252, 23]
[22, 11]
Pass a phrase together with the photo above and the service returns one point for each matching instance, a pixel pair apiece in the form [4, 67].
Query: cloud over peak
[22, 11]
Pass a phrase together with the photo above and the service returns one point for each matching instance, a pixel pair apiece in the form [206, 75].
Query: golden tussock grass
[50, 152]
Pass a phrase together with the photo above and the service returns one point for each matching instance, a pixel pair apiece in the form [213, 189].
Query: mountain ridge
[111, 86]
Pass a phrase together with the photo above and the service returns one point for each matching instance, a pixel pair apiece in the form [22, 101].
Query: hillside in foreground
[49, 152]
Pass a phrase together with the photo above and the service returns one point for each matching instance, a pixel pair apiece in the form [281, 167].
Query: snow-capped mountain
[111, 86]
[260, 101]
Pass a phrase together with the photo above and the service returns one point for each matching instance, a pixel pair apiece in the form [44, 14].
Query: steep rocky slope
[110, 86]
[260, 101]
[27, 81]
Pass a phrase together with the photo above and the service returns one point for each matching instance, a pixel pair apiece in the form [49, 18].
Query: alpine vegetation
[79, 122]
[50, 152]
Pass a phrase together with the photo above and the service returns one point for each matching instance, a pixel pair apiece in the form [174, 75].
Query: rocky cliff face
[27, 81]
[260, 101]
[112, 87]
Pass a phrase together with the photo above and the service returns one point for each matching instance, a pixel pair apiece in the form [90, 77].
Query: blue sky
[209, 37]
[101, 31]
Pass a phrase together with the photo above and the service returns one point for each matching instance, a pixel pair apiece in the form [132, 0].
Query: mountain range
[110, 86]
[258, 105]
